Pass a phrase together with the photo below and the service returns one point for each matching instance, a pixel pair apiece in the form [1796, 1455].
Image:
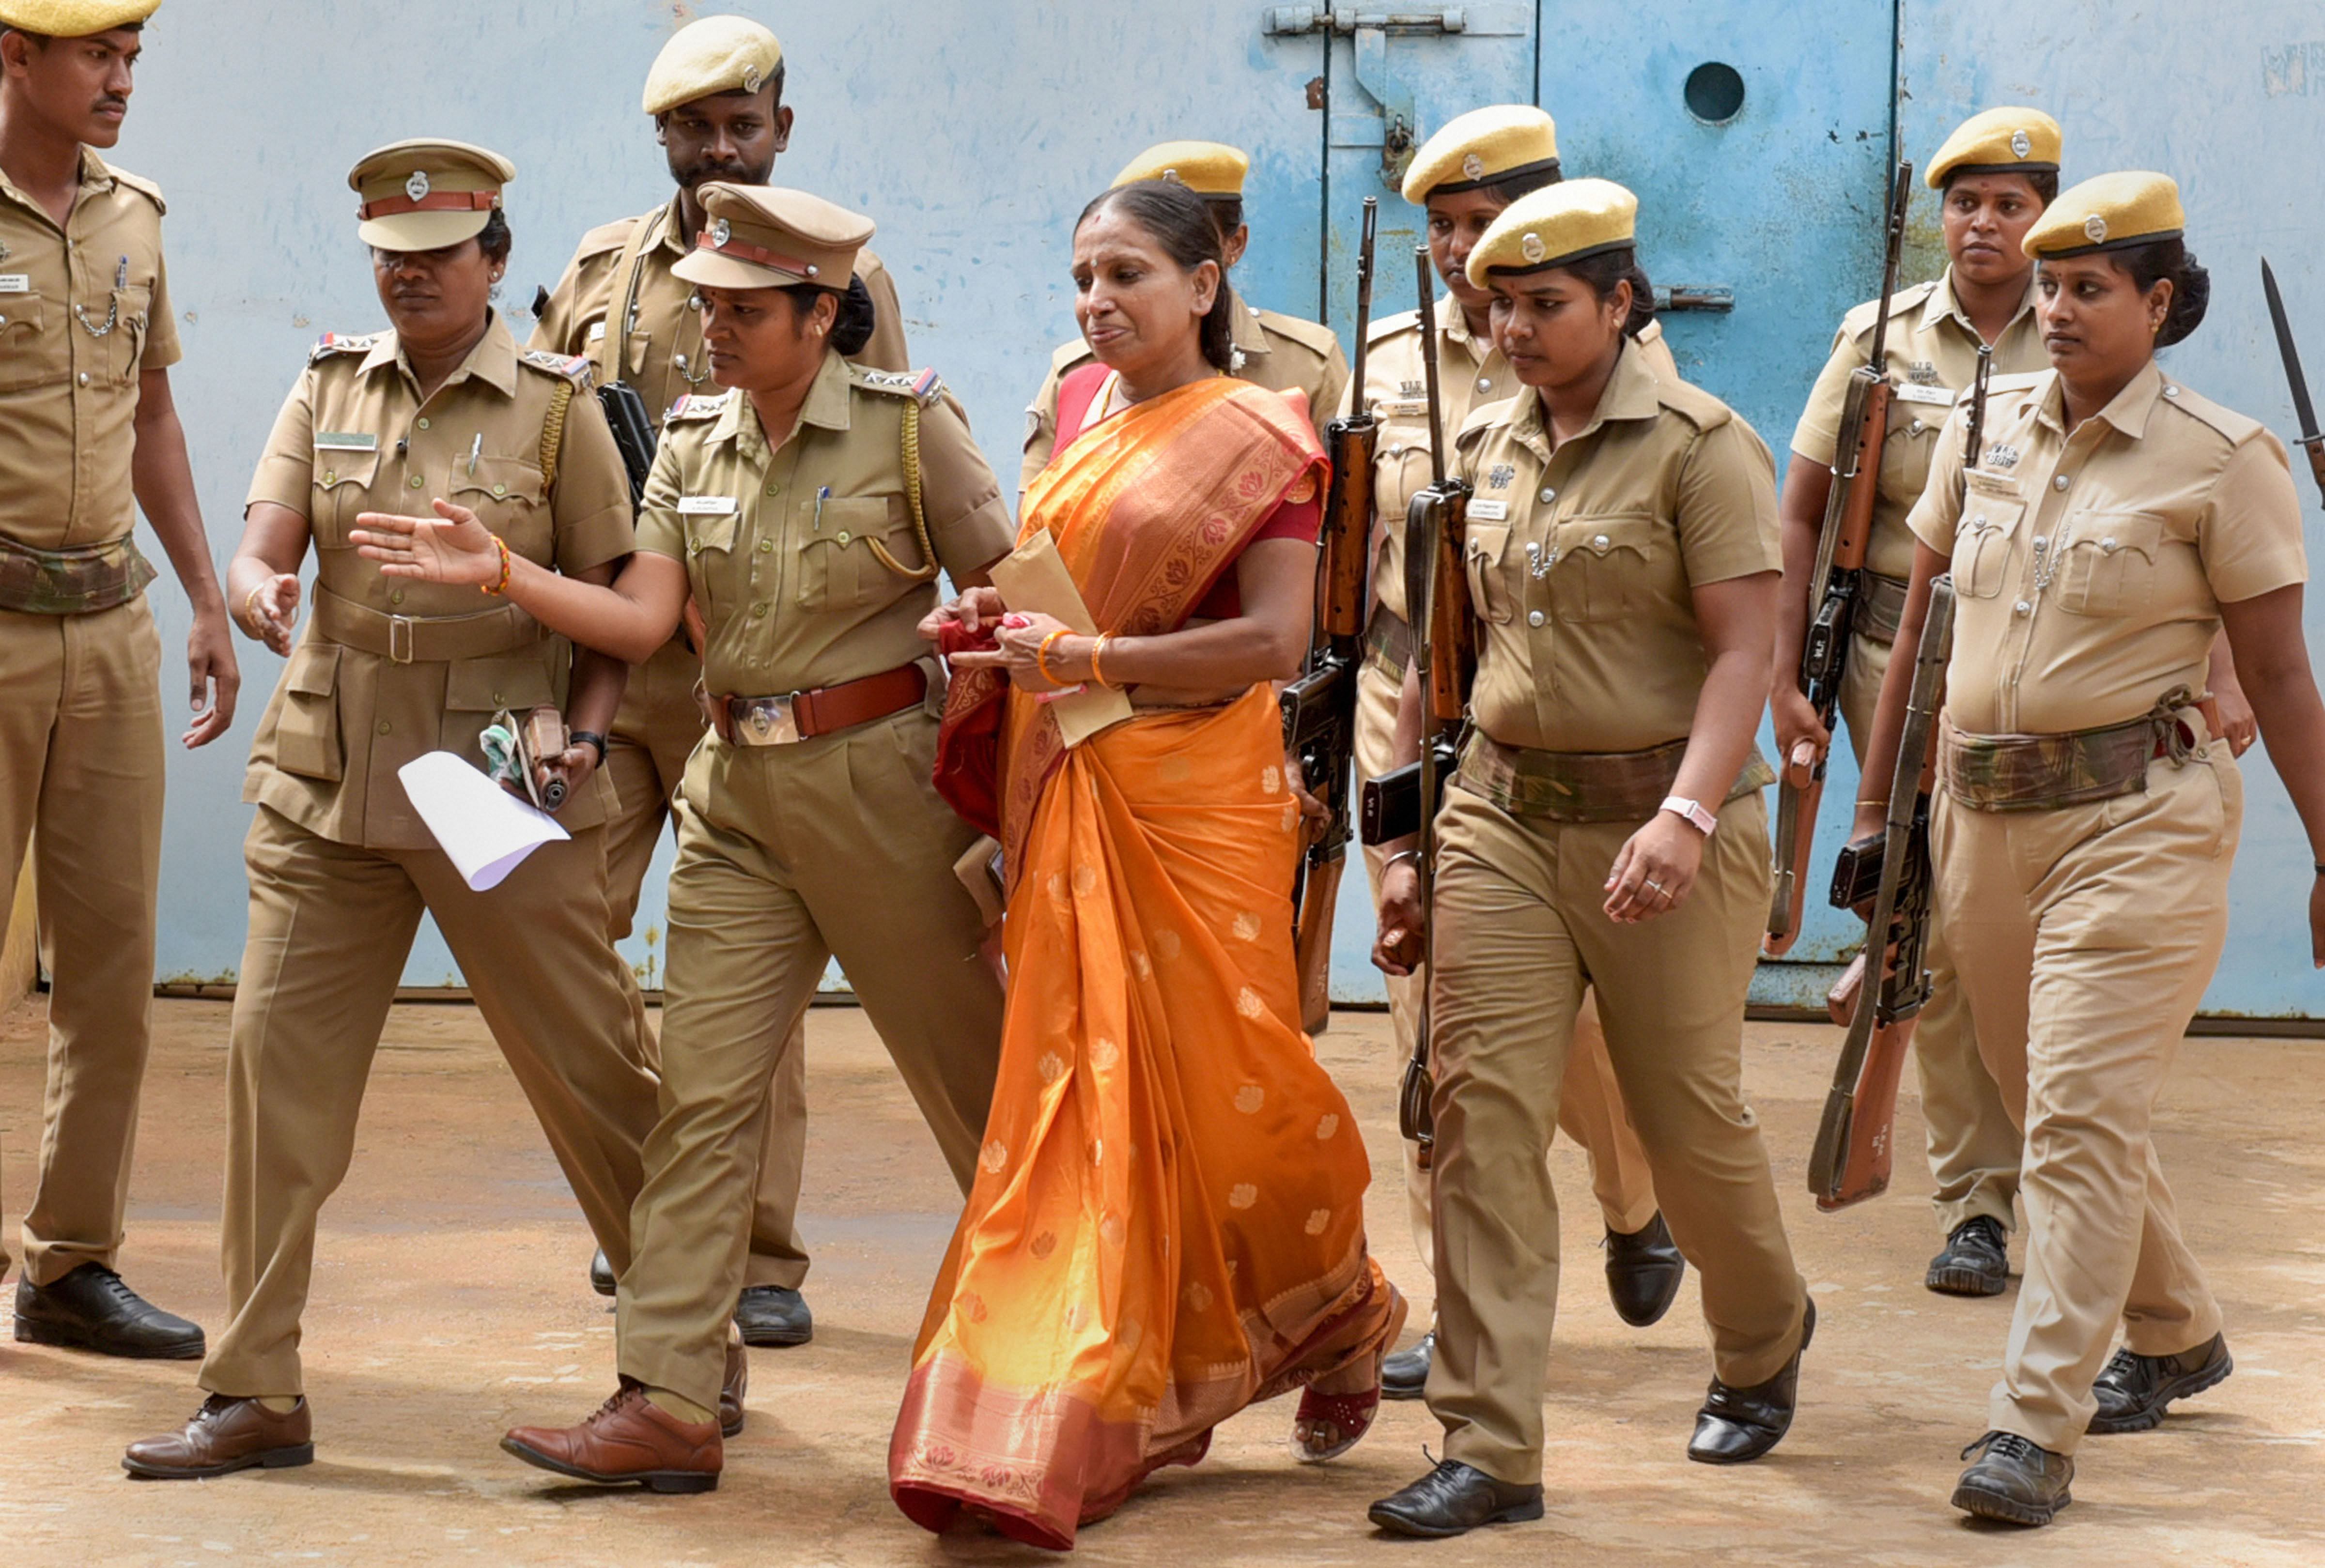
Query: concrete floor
[450, 1303]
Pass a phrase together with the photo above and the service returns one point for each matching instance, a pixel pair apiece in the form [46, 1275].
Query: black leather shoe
[1974, 1261]
[601, 1275]
[90, 1309]
[1642, 1272]
[1405, 1374]
[2016, 1480]
[2135, 1391]
[774, 1315]
[1737, 1425]
[1453, 1500]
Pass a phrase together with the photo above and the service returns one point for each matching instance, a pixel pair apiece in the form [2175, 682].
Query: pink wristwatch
[1692, 812]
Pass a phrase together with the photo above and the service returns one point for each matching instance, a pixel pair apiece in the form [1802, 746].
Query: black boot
[601, 1275]
[90, 1309]
[1405, 1374]
[774, 1315]
[1974, 1261]
[2135, 1391]
[1453, 1500]
[1737, 1425]
[2014, 1479]
[1643, 1272]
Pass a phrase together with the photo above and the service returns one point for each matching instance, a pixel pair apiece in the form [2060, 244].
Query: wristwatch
[1692, 813]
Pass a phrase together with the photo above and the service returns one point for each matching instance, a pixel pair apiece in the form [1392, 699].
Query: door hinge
[1695, 297]
[1489, 21]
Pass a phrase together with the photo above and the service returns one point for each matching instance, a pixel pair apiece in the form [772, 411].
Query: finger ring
[1657, 886]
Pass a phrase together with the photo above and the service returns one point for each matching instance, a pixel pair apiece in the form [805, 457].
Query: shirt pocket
[1484, 545]
[31, 355]
[710, 559]
[342, 492]
[1905, 453]
[507, 493]
[838, 569]
[474, 689]
[1983, 543]
[1604, 566]
[308, 741]
[2108, 565]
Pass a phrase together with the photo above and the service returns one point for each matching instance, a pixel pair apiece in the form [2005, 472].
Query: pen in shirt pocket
[822, 495]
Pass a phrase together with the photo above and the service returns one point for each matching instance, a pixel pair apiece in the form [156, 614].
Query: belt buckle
[770, 721]
[400, 639]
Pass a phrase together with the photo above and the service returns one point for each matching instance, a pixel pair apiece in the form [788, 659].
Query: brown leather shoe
[731, 1391]
[628, 1438]
[225, 1436]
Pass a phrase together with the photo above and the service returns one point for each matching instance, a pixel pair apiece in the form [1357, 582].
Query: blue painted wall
[973, 134]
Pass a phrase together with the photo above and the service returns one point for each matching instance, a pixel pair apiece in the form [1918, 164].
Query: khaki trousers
[1973, 1145]
[80, 738]
[1591, 1107]
[1520, 932]
[2085, 937]
[653, 734]
[330, 925]
[788, 857]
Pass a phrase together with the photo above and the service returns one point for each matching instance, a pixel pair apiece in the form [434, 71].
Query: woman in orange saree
[1167, 1225]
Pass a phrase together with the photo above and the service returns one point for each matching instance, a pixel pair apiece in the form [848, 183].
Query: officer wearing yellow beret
[1995, 175]
[808, 512]
[1463, 177]
[88, 433]
[1281, 353]
[716, 94]
[2087, 815]
[443, 408]
[1605, 828]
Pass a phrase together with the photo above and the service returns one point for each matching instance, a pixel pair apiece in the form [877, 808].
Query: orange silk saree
[1167, 1225]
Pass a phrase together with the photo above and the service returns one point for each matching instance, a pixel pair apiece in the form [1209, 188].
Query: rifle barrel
[1428, 279]
[1364, 300]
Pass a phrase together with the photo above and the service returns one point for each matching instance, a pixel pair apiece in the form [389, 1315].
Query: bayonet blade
[2302, 409]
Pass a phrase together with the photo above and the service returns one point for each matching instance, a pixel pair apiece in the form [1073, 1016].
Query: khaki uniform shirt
[1581, 560]
[1280, 353]
[354, 437]
[1471, 373]
[665, 361]
[84, 311]
[2090, 569]
[776, 539]
[1932, 360]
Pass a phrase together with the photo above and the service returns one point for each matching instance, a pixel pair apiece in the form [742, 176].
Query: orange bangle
[1098, 651]
[1041, 656]
[501, 587]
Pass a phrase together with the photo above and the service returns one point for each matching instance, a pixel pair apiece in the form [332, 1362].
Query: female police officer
[809, 510]
[444, 405]
[2114, 523]
[1604, 830]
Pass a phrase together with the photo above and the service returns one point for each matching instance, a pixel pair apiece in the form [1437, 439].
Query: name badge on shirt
[1936, 396]
[345, 441]
[15, 283]
[705, 506]
[1491, 510]
[596, 331]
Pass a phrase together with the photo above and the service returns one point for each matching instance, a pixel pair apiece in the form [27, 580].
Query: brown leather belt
[423, 639]
[1880, 607]
[801, 715]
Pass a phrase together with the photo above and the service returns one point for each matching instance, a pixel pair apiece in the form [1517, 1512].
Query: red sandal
[1343, 1417]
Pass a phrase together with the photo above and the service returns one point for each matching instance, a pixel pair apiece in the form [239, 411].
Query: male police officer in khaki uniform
[445, 407]
[1995, 172]
[87, 422]
[1281, 353]
[1476, 165]
[715, 95]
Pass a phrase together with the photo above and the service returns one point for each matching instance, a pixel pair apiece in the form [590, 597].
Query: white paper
[487, 831]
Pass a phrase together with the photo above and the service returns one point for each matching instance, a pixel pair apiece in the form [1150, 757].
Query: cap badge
[1531, 247]
[751, 78]
[720, 233]
[1473, 167]
[416, 187]
[2021, 143]
[1171, 176]
[2095, 227]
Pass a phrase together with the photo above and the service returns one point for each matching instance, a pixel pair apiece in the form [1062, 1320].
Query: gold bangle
[1041, 656]
[1098, 651]
[250, 604]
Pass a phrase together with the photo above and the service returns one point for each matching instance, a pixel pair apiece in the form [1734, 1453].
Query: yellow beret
[1205, 168]
[1998, 142]
[718, 55]
[765, 236]
[1555, 226]
[2108, 213]
[423, 195]
[74, 18]
[1480, 147]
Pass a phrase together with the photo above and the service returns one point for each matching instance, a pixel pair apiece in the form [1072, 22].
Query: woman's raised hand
[1020, 638]
[457, 549]
[972, 609]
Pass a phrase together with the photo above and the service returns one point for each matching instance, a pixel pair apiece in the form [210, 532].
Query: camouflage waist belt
[423, 639]
[2045, 772]
[1388, 642]
[1585, 786]
[78, 580]
[1880, 607]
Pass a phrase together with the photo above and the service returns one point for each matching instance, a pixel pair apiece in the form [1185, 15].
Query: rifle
[1319, 708]
[634, 434]
[2302, 409]
[1838, 582]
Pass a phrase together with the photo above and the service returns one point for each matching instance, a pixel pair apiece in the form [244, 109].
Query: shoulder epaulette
[571, 366]
[1387, 327]
[2237, 428]
[1484, 418]
[605, 238]
[924, 386]
[143, 186]
[1309, 335]
[1692, 403]
[1859, 321]
[332, 343]
[1068, 354]
[697, 406]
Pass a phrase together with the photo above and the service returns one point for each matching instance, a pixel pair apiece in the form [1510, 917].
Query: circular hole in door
[1715, 93]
